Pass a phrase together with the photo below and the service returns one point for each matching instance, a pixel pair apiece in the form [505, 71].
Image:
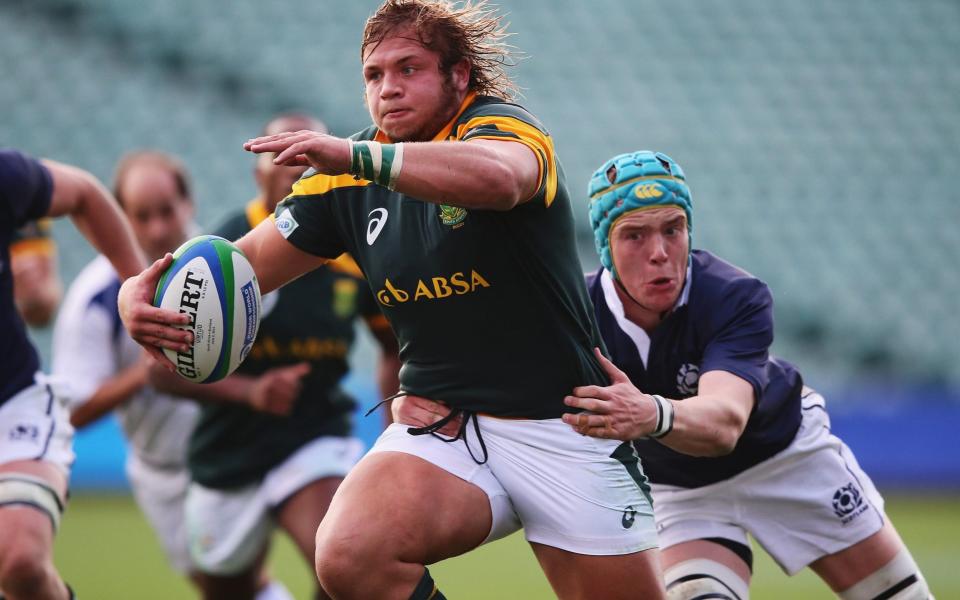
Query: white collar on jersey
[634, 331]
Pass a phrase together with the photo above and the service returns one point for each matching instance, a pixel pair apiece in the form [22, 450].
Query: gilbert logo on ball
[211, 281]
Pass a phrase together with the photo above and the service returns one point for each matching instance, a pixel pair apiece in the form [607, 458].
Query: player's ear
[460, 74]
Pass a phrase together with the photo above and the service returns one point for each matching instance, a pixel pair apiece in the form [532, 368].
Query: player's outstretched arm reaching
[708, 424]
[478, 174]
[93, 210]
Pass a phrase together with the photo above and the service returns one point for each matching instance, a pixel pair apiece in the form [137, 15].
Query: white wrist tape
[376, 162]
[665, 415]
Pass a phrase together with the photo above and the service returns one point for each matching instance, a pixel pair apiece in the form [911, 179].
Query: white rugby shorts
[227, 529]
[35, 425]
[805, 502]
[161, 494]
[568, 491]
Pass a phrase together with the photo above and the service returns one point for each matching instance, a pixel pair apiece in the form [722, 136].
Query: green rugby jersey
[311, 320]
[490, 307]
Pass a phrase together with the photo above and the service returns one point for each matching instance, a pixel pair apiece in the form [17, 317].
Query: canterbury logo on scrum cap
[648, 190]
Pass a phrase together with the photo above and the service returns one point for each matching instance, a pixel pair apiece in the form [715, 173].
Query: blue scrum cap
[629, 182]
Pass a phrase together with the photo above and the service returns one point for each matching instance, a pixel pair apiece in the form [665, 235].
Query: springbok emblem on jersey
[688, 379]
[452, 215]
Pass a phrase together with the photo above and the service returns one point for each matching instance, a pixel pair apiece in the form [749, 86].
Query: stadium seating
[819, 137]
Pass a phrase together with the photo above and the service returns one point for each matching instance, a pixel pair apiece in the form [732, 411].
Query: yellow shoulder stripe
[321, 184]
[529, 136]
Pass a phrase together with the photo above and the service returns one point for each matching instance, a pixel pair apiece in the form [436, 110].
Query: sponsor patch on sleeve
[286, 224]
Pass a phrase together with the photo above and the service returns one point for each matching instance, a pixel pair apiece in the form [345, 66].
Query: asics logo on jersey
[376, 224]
[434, 288]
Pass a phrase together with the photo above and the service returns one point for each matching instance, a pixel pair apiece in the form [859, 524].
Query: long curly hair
[469, 29]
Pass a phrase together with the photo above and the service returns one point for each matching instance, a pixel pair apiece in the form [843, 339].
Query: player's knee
[24, 567]
[900, 579]
[702, 578]
[339, 563]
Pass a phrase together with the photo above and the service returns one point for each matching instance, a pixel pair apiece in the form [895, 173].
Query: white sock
[274, 591]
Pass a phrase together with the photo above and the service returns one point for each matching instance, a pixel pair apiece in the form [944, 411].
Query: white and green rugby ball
[212, 281]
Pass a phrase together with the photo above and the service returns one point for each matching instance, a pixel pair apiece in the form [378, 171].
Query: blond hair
[471, 31]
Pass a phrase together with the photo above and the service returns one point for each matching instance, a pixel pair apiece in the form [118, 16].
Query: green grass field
[107, 552]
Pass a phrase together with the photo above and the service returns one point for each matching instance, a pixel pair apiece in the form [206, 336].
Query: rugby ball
[212, 281]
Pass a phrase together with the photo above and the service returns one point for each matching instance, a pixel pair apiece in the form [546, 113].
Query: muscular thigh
[407, 509]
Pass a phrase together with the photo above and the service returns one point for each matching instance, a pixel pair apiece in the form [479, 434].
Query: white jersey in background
[90, 346]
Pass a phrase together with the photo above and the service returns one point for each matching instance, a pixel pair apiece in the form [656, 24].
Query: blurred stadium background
[821, 140]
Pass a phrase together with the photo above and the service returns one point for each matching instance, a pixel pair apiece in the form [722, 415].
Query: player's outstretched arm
[96, 214]
[708, 424]
[275, 391]
[478, 174]
[113, 392]
[275, 260]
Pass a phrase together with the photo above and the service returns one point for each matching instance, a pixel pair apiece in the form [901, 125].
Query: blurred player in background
[468, 237]
[274, 439]
[35, 433]
[105, 370]
[731, 438]
[37, 289]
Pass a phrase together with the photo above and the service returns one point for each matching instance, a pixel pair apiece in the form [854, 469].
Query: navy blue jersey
[723, 321]
[25, 191]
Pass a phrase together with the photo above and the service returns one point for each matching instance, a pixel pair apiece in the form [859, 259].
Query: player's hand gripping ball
[211, 281]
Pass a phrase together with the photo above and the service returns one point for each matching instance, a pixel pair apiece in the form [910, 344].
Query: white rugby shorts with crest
[809, 500]
[35, 425]
[568, 491]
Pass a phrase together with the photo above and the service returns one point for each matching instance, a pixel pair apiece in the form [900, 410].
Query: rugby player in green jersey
[273, 440]
[455, 207]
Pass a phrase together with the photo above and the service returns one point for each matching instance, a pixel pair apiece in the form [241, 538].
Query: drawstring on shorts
[468, 415]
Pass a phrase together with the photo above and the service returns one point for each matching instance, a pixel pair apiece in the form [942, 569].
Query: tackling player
[455, 207]
[35, 433]
[274, 439]
[732, 439]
